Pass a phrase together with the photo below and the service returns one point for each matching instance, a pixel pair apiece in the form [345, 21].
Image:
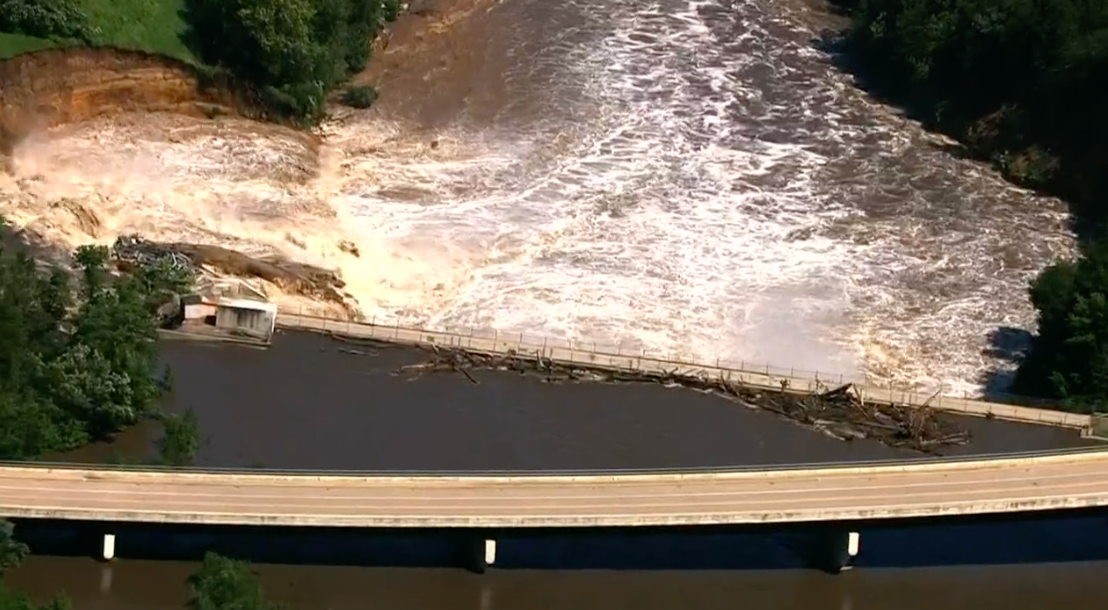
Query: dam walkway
[614, 358]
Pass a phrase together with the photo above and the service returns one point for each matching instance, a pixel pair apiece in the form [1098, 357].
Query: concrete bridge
[764, 377]
[834, 495]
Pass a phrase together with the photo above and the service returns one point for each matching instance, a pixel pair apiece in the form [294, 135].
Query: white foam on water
[635, 226]
[685, 178]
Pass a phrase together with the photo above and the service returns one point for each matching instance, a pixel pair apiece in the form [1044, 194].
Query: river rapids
[692, 178]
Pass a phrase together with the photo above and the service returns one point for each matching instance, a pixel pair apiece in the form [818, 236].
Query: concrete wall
[252, 322]
[558, 351]
[199, 311]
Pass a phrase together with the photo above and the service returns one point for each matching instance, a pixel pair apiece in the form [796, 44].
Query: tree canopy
[12, 553]
[76, 363]
[292, 52]
[55, 19]
[1019, 82]
[1069, 357]
[226, 584]
[13, 600]
[289, 54]
[1016, 80]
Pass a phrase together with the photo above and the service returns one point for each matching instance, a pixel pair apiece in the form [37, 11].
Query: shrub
[53, 19]
[359, 97]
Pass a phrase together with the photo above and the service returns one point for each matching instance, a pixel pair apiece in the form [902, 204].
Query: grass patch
[154, 26]
[17, 44]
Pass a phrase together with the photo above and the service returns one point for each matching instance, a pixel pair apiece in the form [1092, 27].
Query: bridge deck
[873, 492]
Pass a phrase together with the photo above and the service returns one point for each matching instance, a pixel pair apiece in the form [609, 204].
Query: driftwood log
[838, 412]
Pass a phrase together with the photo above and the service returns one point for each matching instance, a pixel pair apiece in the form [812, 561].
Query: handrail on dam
[606, 472]
[763, 377]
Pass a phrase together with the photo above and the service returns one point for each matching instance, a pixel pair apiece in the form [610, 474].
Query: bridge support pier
[834, 550]
[829, 549]
[108, 552]
[482, 554]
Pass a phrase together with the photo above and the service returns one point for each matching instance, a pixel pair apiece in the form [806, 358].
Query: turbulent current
[692, 178]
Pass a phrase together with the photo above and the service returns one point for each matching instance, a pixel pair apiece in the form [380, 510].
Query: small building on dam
[232, 308]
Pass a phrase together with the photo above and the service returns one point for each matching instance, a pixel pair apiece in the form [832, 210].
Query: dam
[841, 210]
[835, 497]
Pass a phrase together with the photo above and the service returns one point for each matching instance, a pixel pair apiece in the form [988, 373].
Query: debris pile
[135, 251]
[306, 280]
[841, 412]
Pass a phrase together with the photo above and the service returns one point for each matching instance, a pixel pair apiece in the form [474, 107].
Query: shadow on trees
[289, 55]
[1008, 346]
[1015, 82]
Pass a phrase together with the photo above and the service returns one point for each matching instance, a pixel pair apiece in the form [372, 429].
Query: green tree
[12, 551]
[181, 439]
[46, 19]
[1069, 356]
[116, 340]
[226, 584]
[73, 367]
[1017, 81]
[12, 600]
[290, 52]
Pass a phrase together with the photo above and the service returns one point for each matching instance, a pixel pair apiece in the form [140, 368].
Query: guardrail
[1098, 427]
[560, 473]
[566, 352]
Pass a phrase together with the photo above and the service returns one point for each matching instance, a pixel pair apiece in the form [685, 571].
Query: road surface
[819, 494]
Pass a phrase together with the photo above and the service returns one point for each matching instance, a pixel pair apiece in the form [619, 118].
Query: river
[689, 176]
[159, 585]
[314, 402]
[693, 177]
[143, 585]
[318, 403]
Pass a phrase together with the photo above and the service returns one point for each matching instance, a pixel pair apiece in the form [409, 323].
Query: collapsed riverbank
[101, 143]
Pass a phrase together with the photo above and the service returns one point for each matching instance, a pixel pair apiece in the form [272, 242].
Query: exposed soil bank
[48, 91]
[59, 86]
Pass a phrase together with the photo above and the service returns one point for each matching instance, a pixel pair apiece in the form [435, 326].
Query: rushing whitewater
[691, 178]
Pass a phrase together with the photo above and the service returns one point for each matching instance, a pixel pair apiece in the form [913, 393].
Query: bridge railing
[846, 464]
[618, 357]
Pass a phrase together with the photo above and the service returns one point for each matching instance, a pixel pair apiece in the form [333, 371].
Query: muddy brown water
[148, 585]
[309, 403]
[685, 175]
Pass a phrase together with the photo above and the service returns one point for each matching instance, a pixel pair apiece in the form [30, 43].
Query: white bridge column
[830, 549]
[482, 553]
[838, 550]
[109, 547]
[490, 552]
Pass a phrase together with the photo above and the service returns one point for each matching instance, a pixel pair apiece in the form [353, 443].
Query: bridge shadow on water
[1068, 536]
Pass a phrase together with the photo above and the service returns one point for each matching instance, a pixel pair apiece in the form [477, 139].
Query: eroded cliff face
[95, 143]
[101, 143]
[59, 86]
